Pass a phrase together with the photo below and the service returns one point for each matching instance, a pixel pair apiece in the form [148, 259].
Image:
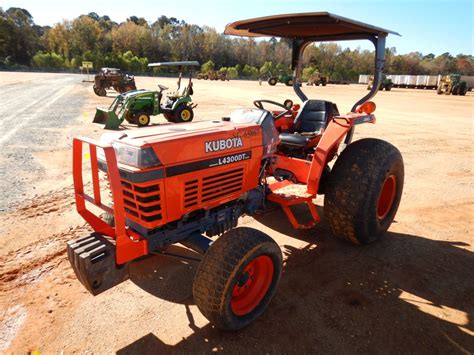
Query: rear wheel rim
[252, 285]
[386, 197]
[185, 115]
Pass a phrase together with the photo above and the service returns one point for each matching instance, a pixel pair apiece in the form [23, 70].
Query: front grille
[209, 188]
[143, 201]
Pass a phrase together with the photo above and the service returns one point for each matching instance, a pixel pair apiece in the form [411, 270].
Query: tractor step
[93, 261]
[286, 194]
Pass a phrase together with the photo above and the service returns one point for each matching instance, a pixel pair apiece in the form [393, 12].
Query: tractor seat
[313, 117]
[294, 139]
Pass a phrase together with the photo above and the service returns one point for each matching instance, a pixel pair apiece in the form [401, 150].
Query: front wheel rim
[252, 285]
[143, 119]
[386, 197]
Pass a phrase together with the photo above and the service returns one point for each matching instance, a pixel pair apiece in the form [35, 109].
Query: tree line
[134, 43]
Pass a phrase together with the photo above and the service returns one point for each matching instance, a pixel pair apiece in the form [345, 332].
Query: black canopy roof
[303, 26]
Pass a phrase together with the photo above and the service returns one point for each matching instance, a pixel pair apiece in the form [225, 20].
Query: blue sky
[427, 26]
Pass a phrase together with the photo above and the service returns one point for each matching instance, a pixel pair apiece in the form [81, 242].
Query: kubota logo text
[222, 144]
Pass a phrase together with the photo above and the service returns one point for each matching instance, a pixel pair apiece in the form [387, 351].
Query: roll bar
[306, 28]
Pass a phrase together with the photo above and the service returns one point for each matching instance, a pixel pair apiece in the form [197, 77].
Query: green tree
[208, 66]
[48, 60]
[85, 34]
[266, 67]
[19, 38]
[250, 72]
[232, 73]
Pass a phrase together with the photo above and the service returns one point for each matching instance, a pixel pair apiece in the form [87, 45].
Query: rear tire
[101, 92]
[364, 191]
[183, 113]
[169, 117]
[289, 82]
[237, 278]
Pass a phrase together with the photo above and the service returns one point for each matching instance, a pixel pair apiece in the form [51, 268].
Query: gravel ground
[34, 116]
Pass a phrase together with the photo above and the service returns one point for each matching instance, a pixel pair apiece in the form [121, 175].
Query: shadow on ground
[389, 297]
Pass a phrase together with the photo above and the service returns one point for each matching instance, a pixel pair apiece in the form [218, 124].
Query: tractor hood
[174, 143]
[172, 131]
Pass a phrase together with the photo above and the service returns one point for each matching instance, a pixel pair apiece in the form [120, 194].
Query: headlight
[137, 157]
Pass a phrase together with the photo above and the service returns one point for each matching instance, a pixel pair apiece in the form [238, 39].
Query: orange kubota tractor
[190, 183]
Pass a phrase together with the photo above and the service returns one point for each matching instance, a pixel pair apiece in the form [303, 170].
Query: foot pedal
[93, 260]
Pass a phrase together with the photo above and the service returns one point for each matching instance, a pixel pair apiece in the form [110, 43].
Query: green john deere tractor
[137, 106]
[284, 78]
[385, 84]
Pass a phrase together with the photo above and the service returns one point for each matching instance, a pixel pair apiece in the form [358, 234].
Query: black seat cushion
[313, 116]
[294, 139]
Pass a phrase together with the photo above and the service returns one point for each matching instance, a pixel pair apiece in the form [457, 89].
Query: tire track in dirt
[57, 201]
[25, 266]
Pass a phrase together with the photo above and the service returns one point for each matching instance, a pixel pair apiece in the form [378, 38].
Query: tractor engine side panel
[212, 182]
[198, 172]
[211, 169]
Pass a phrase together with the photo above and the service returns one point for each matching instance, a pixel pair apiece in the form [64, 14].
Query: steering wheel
[162, 88]
[286, 108]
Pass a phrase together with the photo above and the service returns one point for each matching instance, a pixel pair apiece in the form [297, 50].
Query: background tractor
[385, 84]
[113, 78]
[213, 75]
[191, 183]
[137, 106]
[452, 84]
[317, 79]
[272, 80]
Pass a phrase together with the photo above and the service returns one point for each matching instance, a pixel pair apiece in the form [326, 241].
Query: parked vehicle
[385, 84]
[317, 79]
[137, 106]
[452, 84]
[113, 78]
[172, 184]
[213, 75]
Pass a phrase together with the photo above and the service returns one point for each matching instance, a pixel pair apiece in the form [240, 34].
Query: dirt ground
[411, 292]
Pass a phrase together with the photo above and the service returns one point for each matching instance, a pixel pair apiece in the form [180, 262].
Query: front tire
[142, 119]
[272, 81]
[364, 191]
[237, 278]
